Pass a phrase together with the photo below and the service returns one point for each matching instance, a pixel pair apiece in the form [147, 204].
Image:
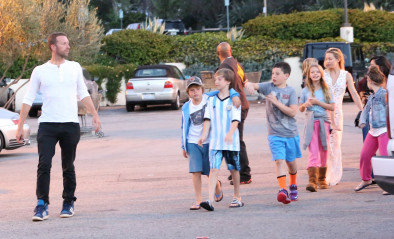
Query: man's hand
[96, 123]
[19, 135]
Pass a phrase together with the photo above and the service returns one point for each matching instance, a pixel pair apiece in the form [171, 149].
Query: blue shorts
[285, 148]
[231, 157]
[198, 158]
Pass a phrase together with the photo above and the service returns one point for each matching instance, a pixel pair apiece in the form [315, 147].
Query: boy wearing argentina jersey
[283, 136]
[221, 122]
[192, 126]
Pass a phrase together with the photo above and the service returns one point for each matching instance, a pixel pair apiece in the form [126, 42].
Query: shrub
[114, 76]
[372, 26]
[137, 47]
[196, 48]
[300, 25]
[368, 26]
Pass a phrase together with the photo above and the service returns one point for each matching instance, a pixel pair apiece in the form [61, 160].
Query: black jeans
[68, 135]
[243, 156]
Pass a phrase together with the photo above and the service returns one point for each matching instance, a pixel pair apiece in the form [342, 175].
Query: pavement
[134, 183]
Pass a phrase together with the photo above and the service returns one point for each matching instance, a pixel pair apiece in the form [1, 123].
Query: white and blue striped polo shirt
[222, 113]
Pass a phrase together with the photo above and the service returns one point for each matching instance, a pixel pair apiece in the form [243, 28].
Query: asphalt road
[134, 183]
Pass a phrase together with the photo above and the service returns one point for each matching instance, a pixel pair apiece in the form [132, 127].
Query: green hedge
[372, 26]
[138, 47]
[300, 25]
[368, 26]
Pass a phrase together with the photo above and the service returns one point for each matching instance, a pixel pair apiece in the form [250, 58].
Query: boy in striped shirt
[221, 122]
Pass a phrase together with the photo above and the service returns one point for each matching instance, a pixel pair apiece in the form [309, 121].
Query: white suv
[383, 167]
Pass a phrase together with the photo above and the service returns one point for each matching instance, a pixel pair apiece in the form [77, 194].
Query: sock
[282, 181]
[40, 202]
[293, 178]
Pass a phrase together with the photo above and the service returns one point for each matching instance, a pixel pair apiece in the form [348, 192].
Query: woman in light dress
[337, 79]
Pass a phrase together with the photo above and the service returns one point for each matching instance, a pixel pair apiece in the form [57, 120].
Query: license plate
[148, 96]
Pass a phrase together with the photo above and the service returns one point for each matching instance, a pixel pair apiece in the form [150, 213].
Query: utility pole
[227, 3]
[346, 31]
[265, 8]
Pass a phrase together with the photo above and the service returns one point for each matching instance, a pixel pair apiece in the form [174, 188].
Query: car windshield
[151, 73]
[173, 25]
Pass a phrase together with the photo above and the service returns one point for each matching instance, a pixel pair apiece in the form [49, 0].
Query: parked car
[8, 127]
[156, 84]
[174, 27]
[134, 26]
[112, 31]
[5, 94]
[354, 57]
[92, 87]
[383, 167]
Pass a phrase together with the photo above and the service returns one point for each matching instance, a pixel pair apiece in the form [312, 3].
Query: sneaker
[207, 205]
[283, 196]
[68, 210]
[242, 181]
[293, 192]
[41, 212]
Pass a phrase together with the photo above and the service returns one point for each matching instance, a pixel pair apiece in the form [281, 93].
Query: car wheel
[33, 112]
[129, 107]
[2, 143]
[177, 104]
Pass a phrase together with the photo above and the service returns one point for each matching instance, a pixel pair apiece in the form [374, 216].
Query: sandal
[236, 203]
[195, 207]
[363, 185]
[219, 197]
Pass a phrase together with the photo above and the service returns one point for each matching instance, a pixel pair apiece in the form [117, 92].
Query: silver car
[156, 84]
[8, 127]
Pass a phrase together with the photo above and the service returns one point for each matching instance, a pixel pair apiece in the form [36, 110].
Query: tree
[25, 25]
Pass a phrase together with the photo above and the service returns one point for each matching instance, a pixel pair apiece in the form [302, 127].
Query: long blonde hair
[324, 86]
[338, 55]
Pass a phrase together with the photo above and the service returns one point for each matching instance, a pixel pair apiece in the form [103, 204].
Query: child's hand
[272, 97]
[229, 138]
[185, 154]
[307, 104]
[313, 101]
[201, 140]
[249, 88]
[361, 126]
[236, 101]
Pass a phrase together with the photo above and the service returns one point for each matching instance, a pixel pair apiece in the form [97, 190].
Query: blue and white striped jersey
[222, 113]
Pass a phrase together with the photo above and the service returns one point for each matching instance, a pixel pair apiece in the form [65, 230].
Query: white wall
[20, 94]
[295, 79]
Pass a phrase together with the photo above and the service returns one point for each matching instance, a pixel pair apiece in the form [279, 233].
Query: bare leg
[213, 178]
[292, 166]
[196, 177]
[280, 167]
[236, 182]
